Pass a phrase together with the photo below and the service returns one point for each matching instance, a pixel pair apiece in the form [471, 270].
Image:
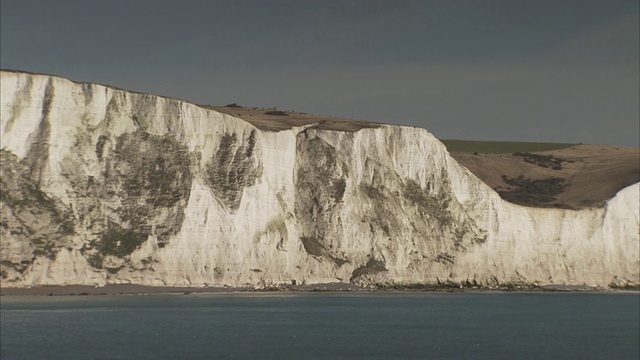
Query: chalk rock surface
[104, 186]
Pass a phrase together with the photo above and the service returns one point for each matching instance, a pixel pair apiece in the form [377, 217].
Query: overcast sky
[558, 71]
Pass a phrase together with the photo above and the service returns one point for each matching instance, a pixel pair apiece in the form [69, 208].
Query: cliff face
[107, 186]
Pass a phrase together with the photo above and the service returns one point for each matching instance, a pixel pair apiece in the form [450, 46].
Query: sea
[322, 326]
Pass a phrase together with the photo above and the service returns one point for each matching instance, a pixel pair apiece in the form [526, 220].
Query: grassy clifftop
[571, 176]
[501, 147]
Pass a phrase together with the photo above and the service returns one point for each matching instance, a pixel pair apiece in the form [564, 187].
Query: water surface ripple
[322, 326]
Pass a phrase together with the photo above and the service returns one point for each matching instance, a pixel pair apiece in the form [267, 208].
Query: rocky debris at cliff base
[131, 289]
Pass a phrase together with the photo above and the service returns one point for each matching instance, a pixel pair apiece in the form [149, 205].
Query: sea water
[323, 326]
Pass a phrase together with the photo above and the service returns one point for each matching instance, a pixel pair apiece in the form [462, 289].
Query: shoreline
[133, 289]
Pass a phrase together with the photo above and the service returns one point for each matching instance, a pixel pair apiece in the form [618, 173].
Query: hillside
[105, 186]
[568, 176]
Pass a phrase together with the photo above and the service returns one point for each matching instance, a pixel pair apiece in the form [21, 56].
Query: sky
[551, 71]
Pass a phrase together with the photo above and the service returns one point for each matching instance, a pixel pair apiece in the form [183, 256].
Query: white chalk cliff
[101, 186]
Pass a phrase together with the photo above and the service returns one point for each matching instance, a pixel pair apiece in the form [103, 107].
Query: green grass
[501, 147]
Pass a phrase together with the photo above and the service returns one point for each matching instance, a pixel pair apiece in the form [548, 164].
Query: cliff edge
[104, 186]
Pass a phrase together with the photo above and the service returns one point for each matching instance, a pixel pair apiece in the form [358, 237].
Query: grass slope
[572, 177]
[501, 147]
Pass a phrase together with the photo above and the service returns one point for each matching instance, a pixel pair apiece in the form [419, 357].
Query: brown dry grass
[285, 120]
[592, 173]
